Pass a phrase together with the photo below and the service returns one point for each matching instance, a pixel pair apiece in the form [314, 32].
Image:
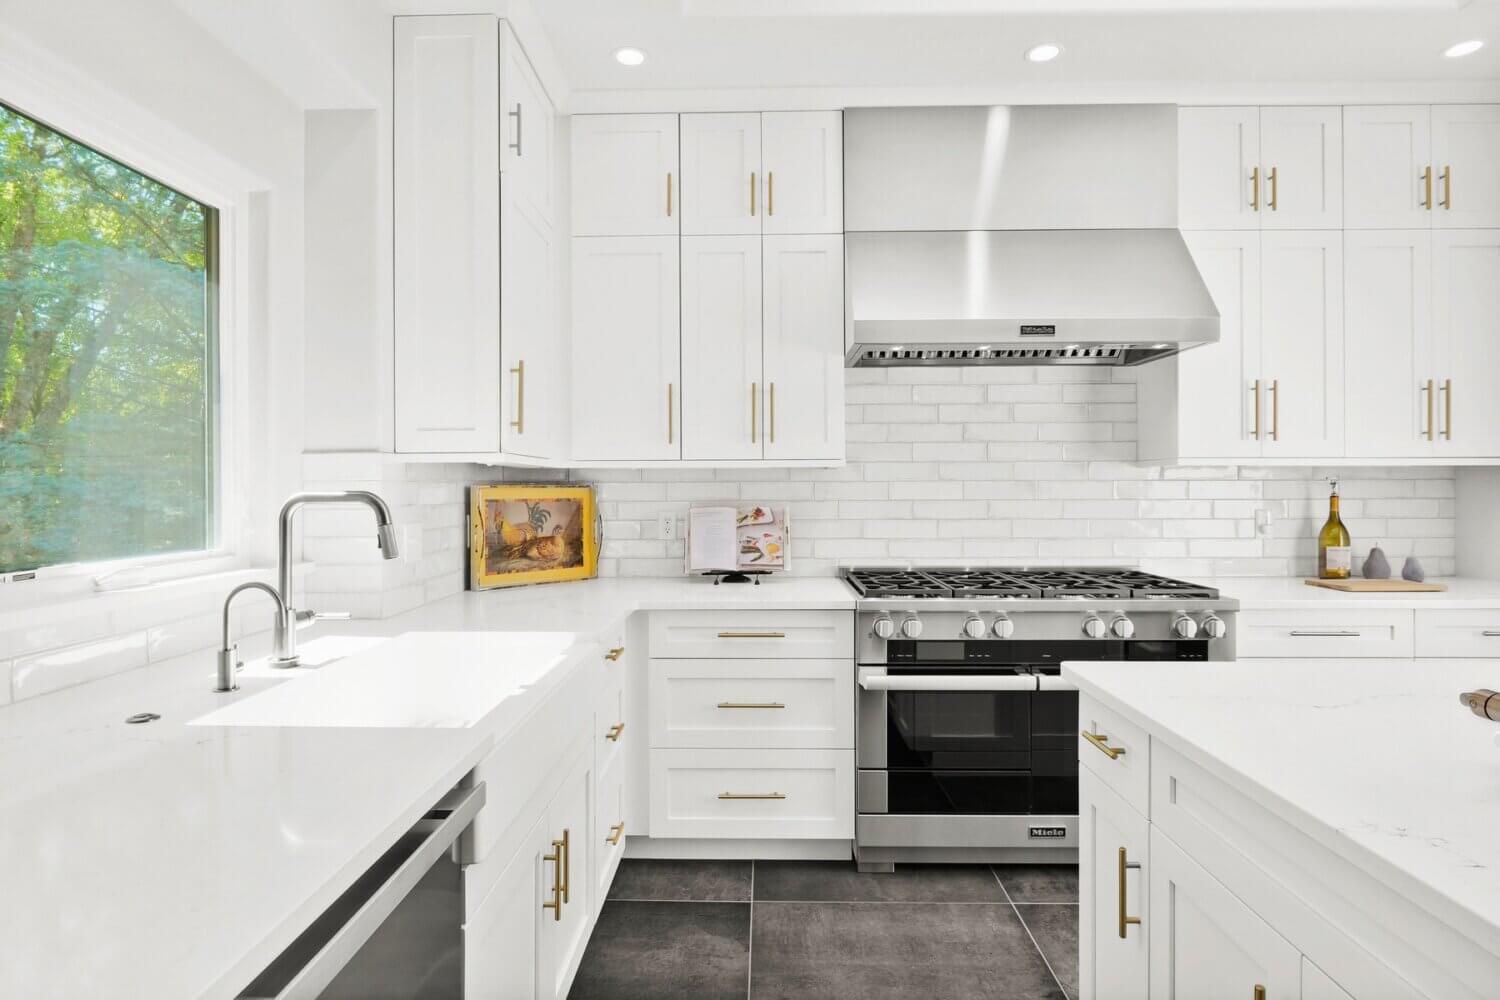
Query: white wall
[1479, 522]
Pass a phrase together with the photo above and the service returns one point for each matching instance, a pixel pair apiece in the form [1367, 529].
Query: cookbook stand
[737, 576]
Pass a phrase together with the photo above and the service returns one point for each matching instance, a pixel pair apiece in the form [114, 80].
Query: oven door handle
[1052, 682]
[948, 682]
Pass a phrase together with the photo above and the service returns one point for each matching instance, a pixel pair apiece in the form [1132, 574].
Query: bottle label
[1338, 557]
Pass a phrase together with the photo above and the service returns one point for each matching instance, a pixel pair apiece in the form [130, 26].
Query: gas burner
[1061, 583]
[894, 583]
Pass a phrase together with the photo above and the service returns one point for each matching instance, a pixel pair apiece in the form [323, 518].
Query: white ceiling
[709, 51]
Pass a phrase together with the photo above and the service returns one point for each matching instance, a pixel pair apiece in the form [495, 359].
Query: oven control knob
[1184, 627]
[974, 627]
[911, 628]
[1214, 627]
[883, 627]
[1122, 627]
[1004, 628]
[1093, 627]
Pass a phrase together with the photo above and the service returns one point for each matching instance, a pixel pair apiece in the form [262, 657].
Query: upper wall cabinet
[625, 175]
[1260, 168]
[1419, 167]
[746, 174]
[476, 371]
[803, 154]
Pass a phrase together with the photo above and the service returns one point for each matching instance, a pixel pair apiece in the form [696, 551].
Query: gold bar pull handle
[752, 635]
[1255, 395]
[615, 833]
[615, 654]
[1271, 204]
[1255, 189]
[1101, 741]
[1447, 187]
[1447, 409]
[752, 194]
[1275, 409]
[669, 194]
[752, 704]
[1260, 992]
[555, 904]
[1428, 393]
[736, 796]
[669, 413]
[613, 735]
[754, 391]
[1427, 188]
[771, 192]
[567, 864]
[519, 371]
[1125, 919]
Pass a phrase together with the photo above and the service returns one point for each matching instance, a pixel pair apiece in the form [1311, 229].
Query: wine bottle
[1335, 556]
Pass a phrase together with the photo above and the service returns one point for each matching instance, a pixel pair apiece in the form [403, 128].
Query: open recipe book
[737, 539]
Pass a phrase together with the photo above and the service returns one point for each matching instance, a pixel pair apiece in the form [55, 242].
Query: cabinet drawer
[753, 634]
[609, 828]
[1319, 632]
[611, 734]
[752, 703]
[791, 794]
[1119, 752]
[1458, 633]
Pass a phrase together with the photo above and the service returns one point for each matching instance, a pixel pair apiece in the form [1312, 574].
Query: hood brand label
[1047, 832]
[1038, 330]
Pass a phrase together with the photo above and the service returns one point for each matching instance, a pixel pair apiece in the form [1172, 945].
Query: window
[108, 356]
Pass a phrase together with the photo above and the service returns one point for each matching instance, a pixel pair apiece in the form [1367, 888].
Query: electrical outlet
[1263, 521]
[666, 526]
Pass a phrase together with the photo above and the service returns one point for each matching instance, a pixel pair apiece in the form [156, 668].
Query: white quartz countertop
[176, 860]
[1374, 759]
[1270, 593]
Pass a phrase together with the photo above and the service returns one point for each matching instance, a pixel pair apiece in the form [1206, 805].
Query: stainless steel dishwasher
[397, 932]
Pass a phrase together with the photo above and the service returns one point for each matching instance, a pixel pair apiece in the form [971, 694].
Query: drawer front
[611, 734]
[609, 825]
[759, 794]
[1117, 751]
[1331, 633]
[753, 634]
[752, 703]
[1458, 633]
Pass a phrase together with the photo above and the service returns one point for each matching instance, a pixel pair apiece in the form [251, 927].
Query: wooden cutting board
[1353, 586]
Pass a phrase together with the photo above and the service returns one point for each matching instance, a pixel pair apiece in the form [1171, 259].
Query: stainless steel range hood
[1018, 236]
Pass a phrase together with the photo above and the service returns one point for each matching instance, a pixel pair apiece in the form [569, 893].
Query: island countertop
[1375, 759]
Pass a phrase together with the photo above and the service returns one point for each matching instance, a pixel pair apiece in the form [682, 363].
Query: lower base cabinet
[502, 940]
[1113, 838]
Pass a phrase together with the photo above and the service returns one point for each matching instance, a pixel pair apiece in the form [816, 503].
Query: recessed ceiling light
[629, 56]
[1468, 48]
[1046, 52]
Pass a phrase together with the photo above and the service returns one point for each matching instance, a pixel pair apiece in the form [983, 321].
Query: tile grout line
[750, 938]
[1051, 971]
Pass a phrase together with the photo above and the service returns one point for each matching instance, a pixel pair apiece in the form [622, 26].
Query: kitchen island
[1285, 828]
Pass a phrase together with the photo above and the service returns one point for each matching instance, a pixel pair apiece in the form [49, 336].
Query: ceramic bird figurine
[1376, 566]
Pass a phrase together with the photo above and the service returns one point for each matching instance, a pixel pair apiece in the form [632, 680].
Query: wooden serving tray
[1353, 586]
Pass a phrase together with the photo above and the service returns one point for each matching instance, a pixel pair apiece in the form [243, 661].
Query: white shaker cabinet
[1466, 165]
[1466, 332]
[721, 348]
[1302, 344]
[804, 347]
[1113, 885]
[528, 129]
[1218, 168]
[626, 398]
[1302, 168]
[802, 159]
[721, 175]
[625, 175]
[531, 351]
[565, 930]
[502, 940]
[1388, 181]
[1260, 168]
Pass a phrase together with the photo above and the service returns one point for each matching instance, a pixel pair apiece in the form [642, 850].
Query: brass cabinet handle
[752, 635]
[519, 371]
[556, 857]
[615, 833]
[1427, 389]
[752, 194]
[1275, 409]
[773, 412]
[615, 654]
[1255, 392]
[567, 865]
[669, 194]
[1125, 919]
[1427, 188]
[751, 704]
[614, 732]
[1255, 189]
[1447, 187]
[1102, 743]
[1271, 204]
[754, 391]
[752, 795]
[516, 114]
[1447, 391]
[770, 192]
[1324, 633]
[1260, 992]
[669, 413]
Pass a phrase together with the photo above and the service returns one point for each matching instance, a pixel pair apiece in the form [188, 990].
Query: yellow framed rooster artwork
[521, 534]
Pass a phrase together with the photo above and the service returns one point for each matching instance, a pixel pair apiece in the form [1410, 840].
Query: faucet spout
[228, 661]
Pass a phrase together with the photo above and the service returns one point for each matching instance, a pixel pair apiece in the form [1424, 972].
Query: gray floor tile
[1040, 883]
[1055, 928]
[666, 951]
[873, 951]
[824, 881]
[699, 881]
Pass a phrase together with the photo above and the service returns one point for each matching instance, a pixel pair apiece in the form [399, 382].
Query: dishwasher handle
[439, 830]
[949, 682]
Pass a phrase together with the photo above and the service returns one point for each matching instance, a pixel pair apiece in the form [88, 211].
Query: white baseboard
[738, 850]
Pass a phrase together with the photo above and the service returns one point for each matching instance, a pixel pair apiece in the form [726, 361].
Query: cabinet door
[721, 175]
[569, 830]
[502, 940]
[1205, 942]
[531, 339]
[1302, 342]
[1217, 150]
[626, 395]
[803, 331]
[1466, 317]
[721, 368]
[625, 180]
[528, 128]
[1389, 396]
[1466, 165]
[1316, 984]
[1216, 396]
[1301, 155]
[803, 156]
[1387, 156]
[447, 226]
[1113, 957]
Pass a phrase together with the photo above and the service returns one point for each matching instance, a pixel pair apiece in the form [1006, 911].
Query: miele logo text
[1039, 331]
[1048, 832]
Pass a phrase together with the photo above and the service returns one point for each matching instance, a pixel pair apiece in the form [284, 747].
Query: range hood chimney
[1018, 236]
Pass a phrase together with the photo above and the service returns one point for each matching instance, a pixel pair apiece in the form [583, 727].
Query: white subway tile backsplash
[59, 668]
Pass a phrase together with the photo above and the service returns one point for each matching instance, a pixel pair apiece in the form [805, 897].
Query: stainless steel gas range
[966, 735]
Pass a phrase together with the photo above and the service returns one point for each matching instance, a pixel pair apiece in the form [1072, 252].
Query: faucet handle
[229, 664]
[309, 617]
